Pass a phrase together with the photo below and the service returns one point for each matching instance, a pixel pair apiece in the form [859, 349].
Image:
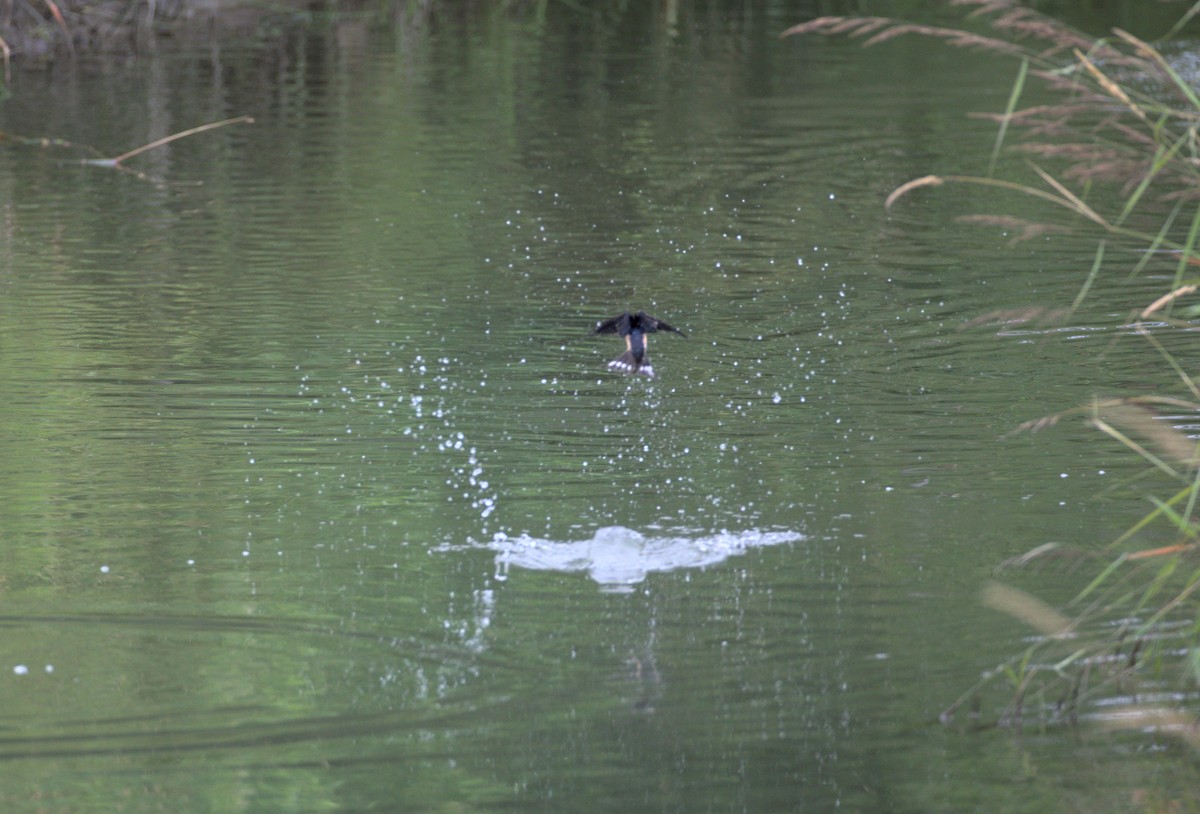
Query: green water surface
[316, 495]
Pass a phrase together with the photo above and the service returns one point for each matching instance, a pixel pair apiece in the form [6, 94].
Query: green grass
[1128, 121]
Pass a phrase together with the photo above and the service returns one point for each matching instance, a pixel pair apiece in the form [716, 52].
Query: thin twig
[114, 162]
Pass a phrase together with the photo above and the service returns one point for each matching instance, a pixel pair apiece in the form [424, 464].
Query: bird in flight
[634, 328]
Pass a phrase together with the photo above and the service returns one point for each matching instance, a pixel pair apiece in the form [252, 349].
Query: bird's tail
[628, 363]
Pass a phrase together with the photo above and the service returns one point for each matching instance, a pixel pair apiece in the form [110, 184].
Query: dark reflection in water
[316, 487]
[158, 725]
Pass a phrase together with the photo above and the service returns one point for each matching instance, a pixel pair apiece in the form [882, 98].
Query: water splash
[619, 558]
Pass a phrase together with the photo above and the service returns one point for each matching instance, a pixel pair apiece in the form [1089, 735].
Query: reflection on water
[303, 465]
[619, 558]
[52, 722]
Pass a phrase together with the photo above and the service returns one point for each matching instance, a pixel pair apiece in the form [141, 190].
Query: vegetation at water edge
[1115, 153]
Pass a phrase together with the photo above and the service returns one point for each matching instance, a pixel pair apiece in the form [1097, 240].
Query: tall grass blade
[1013, 97]
[1145, 422]
[1148, 519]
[1191, 504]
[1161, 159]
[1067, 202]
[1063, 664]
[1179, 521]
[1186, 254]
[1099, 580]
[1073, 201]
[1159, 239]
[1120, 437]
[1187, 380]
[1187, 16]
[1091, 278]
[1161, 579]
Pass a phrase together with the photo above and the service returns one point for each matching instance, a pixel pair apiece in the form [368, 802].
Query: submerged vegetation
[1115, 152]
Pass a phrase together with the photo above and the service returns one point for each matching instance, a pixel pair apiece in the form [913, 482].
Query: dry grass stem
[1110, 87]
[1047, 552]
[881, 29]
[1121, 438]
[1029, 556]
[1073, 201]
[1168, 298]
[916, 183]
[1029, 609]
[1091, 74]
[1039, 315]
[1146, 423]
[1026, 23]
[1095, 408]
[1164, 551]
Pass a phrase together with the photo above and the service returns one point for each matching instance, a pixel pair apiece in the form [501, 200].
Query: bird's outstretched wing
[620, 325]
[650, 324]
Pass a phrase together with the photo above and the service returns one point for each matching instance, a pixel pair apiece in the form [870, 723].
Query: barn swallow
[634, 328]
